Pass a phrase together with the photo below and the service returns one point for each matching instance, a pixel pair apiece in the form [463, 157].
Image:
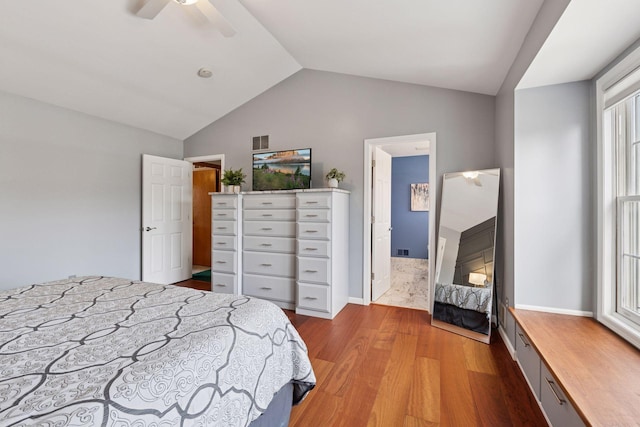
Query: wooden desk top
[598, 371]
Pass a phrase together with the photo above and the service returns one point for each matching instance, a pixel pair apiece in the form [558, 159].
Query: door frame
[208, 158]
[369, 146]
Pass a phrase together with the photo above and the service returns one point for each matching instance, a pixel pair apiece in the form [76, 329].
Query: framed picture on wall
[420, 197]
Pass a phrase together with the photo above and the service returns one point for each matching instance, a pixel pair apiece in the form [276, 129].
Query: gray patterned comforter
[106, 351]
[467, 297]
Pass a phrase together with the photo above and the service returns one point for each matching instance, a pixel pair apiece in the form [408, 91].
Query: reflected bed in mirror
[463, 295]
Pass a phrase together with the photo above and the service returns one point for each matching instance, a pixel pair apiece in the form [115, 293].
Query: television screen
[282, 170]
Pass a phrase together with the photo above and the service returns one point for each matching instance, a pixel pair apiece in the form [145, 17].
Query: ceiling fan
[152, 7]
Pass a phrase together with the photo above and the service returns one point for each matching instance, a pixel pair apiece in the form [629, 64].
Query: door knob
[149, 228]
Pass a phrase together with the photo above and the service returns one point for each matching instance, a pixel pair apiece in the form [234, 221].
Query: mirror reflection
[463, 296]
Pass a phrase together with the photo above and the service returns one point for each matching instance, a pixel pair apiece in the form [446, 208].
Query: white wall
[69, 192]
[554, 225]
[334, 113]
[548, 15]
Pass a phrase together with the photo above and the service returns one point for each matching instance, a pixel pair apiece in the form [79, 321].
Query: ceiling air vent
[260, 142]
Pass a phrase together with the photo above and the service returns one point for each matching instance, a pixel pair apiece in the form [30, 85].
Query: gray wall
[334, 113]
[70, 192]
[410, 228]
[549, 13]
[553, 197]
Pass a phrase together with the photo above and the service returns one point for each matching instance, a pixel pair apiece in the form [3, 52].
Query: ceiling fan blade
[216, 18]
[151, 8]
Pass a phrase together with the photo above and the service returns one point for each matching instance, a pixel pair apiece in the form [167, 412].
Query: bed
[107, 351]
[465, 306]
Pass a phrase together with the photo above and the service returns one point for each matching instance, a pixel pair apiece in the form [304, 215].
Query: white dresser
[289, 247]
[322, 254]
[226, 230]
[268, 243]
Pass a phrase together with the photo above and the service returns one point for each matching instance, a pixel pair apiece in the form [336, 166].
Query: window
[619, 198]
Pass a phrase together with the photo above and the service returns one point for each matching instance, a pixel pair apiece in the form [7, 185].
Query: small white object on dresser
[322, 252]
[226, 229]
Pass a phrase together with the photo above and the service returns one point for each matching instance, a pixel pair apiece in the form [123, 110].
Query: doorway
[410, 262]
[207, 172]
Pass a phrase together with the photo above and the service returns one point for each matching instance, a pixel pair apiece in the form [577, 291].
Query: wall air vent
[260, 142]
[403, 252]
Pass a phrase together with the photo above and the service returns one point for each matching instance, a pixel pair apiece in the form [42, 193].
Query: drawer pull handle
[311, 298]
[267, 215]
[265, 265]
[311, 231]
[524, 341]
[222, 243]
[221, 285]
[265, 288]
[310, 249]
[555, 393]
[221, 228]
[311, 202]
[221, 262]
[267, 203]
[311, 271]
[311, 216]
[266, 244]
[222, 214]
[223, 203]
[266, 228]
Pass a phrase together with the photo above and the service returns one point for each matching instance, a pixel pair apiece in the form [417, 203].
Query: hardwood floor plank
[322, 369]
[424, 399]
[396, 382]
[485, 389]
[410, 421]
[478, 357]
[354, 351]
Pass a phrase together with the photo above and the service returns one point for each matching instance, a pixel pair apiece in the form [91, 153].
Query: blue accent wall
[410, 229]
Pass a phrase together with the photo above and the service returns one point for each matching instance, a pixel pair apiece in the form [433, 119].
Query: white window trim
[606, 213]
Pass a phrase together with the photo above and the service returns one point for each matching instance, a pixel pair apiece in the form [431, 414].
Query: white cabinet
[290, 247]
[322, 252]
[528, 360]
[268, 239]
[226, 229]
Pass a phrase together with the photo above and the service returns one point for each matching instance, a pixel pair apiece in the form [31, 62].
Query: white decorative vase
[236, 189]
[228, 188]
[333, 183]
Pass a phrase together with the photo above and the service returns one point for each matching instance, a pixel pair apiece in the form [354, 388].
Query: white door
[381, 238]
[166, 219]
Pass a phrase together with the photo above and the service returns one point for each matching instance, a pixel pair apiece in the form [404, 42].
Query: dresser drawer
[227, 243]
[314, 200]
[314, 215]
[556, 406]
[270, 244]
[270, 215]
[223, 283]
[224, 214]
[270, 228]
[309, 230]
[315, 270]
[223, 261]
[314, 248]
[270, 201]
[529, 360]
[273, 288]
[269, 263]
[224, 202]
[223, 227]
[313, 297]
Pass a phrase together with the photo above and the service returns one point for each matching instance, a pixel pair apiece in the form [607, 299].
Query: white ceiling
[98, 57]
[588, 36]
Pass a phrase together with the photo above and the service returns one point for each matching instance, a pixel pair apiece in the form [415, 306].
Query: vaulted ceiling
[99, 58]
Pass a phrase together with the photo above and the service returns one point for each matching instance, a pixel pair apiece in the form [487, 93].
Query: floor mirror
[463, 293]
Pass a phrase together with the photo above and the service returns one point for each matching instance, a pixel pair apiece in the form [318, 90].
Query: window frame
[608, 202]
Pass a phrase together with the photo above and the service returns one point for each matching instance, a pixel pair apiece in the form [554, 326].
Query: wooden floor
[386, 366]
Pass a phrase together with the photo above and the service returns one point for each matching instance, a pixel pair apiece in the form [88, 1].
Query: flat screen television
[282, 170]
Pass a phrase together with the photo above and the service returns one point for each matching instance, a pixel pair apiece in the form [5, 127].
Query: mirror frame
[478, 336]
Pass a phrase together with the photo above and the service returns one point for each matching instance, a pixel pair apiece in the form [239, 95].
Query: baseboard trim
[507, 343]
[359, 301]
[555, 310]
